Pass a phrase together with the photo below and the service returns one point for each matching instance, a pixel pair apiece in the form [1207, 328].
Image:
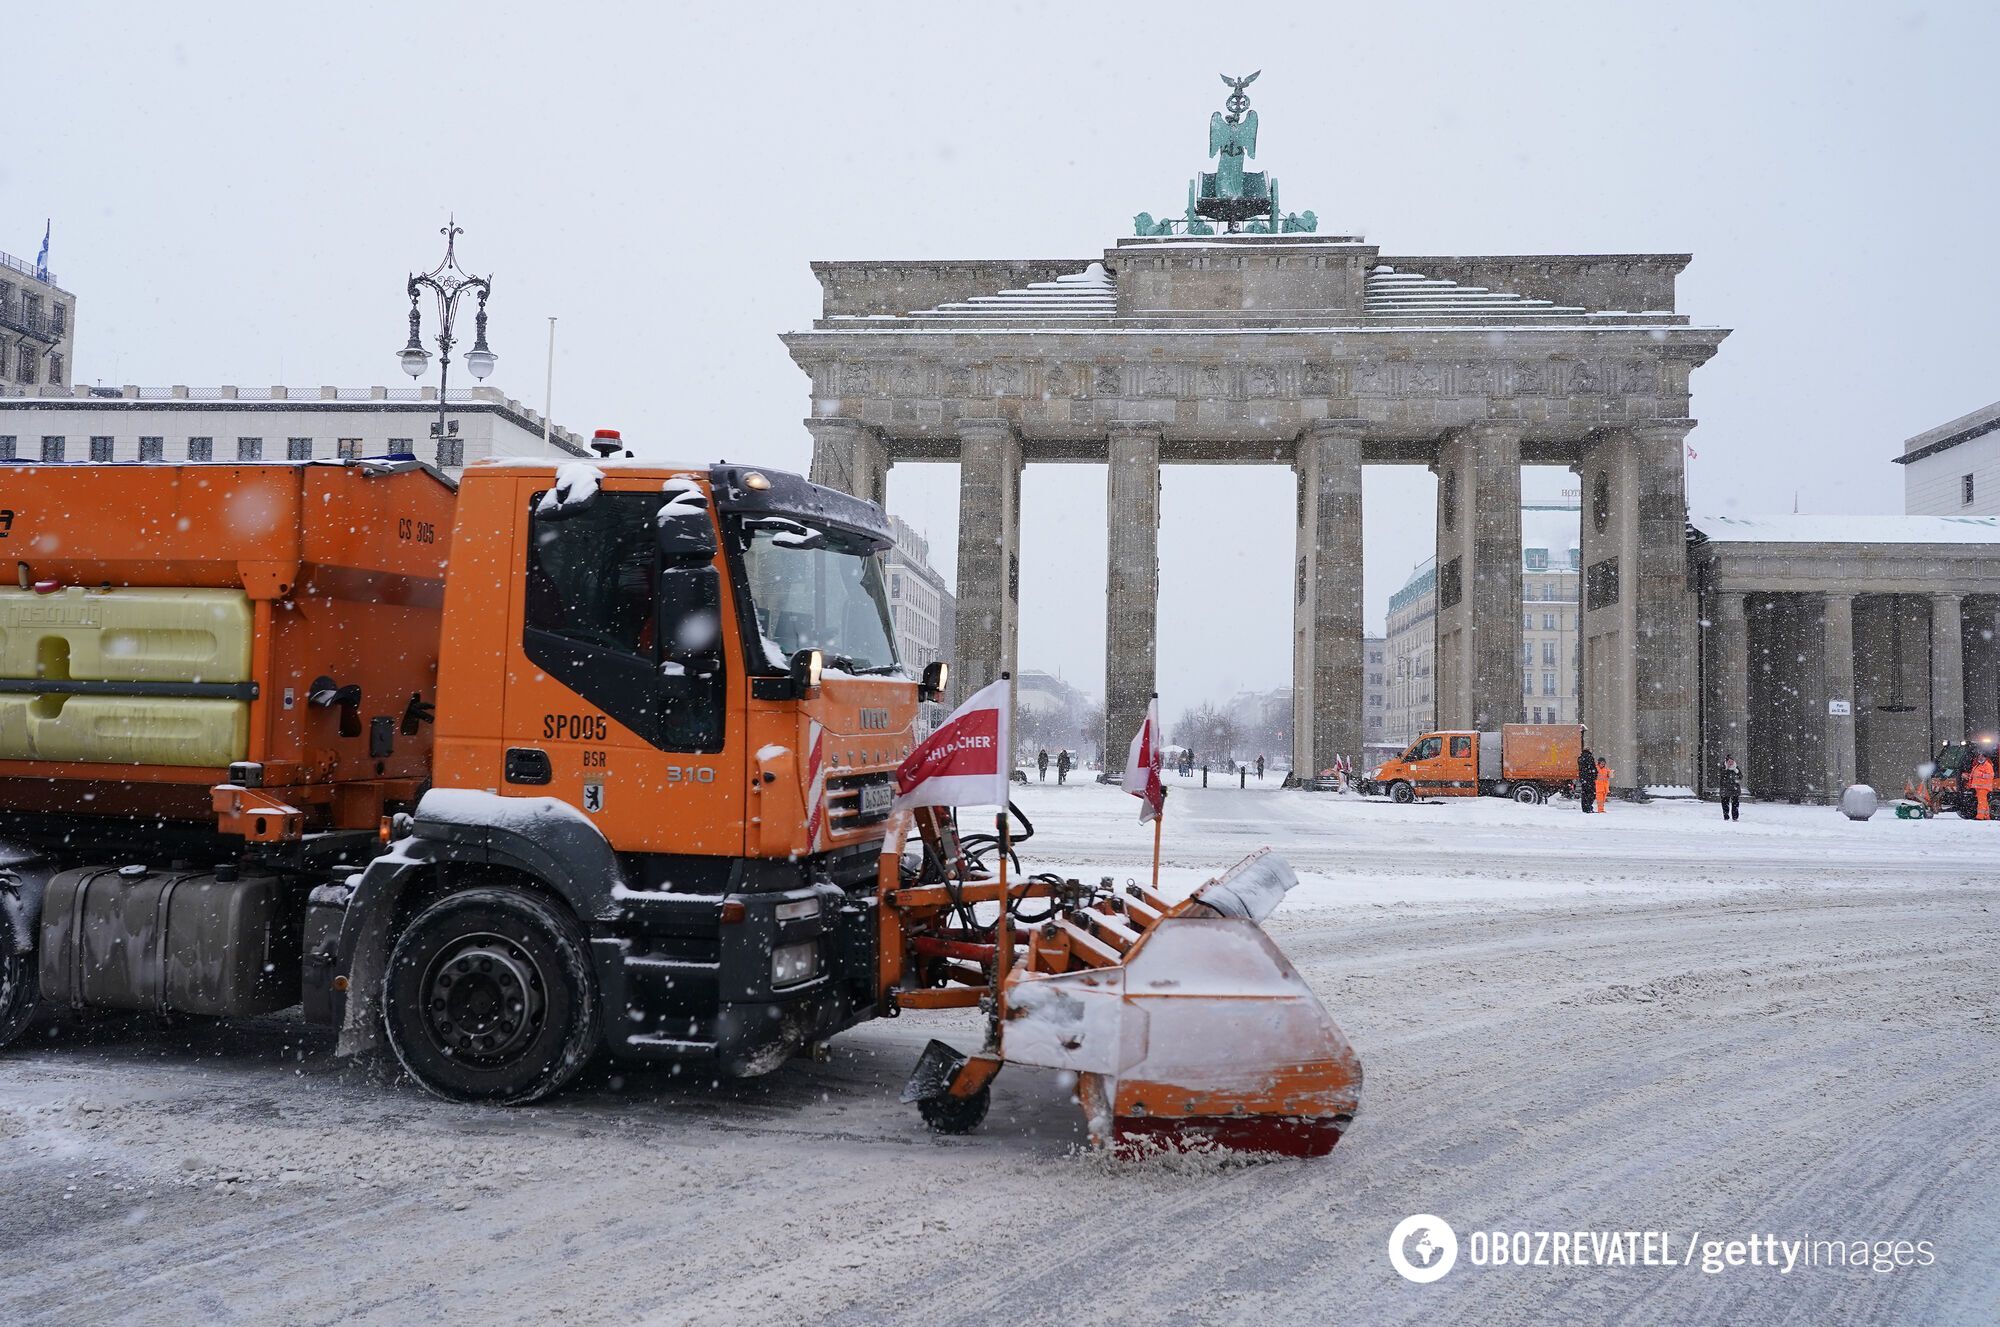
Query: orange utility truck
[567, 759]
[661, 707]
[1529, 762]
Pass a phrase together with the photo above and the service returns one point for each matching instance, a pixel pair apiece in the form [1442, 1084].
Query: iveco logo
[874, 719]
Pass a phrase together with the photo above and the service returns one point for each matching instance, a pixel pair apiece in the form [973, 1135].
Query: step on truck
[566, 759]
[1529, 762]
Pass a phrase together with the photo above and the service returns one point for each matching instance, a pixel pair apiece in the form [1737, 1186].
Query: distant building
[1551, 565]
[270, 424]
[1410, 699]
[1954, 469]
[37, 328]
[1263, 723]
[1374, 690]
[919, 600]
[1051, 714]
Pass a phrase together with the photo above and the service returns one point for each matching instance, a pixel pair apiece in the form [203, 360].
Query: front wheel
[953, 1115]
[19, 991]
[1527, 794]
[1402, 793]
[490, 997]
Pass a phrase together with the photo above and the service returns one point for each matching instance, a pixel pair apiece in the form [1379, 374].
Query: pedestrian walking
[1586, 780]
[1731, 780]
[1062, 767]
[1260, 769]
[1603, 786]
[1980, 776]
[1042, 763]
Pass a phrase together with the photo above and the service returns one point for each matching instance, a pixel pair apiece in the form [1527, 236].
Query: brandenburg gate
[1236, 334]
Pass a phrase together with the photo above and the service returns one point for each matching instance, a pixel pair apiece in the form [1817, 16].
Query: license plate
[876, 797]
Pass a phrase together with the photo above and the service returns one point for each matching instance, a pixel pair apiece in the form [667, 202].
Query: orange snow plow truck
[1529, 762]
[565, 760]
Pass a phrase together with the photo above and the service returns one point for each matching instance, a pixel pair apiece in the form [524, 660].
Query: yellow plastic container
[133, 730]
[14, 727]
[138, 635]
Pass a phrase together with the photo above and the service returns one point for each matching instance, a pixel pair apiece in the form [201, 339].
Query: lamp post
[447, 281]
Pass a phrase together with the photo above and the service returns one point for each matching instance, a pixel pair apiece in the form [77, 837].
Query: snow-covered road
[1649, 1020]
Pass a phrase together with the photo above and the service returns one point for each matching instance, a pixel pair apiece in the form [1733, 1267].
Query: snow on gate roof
[1834, 529]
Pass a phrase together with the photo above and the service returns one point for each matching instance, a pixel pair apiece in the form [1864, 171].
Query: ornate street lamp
[447, 281]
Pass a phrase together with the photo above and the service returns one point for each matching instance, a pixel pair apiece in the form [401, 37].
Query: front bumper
[702, 989]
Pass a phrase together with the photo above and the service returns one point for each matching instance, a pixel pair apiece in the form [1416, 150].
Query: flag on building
[42, 258]
[1142, 765]
[968, 761]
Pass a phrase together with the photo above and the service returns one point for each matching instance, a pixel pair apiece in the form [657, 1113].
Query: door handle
[527, 764]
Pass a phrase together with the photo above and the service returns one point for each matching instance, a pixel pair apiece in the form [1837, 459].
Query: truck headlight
[792, 964]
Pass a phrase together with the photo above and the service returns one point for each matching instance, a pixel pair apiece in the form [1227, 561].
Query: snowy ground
[1647, 1020]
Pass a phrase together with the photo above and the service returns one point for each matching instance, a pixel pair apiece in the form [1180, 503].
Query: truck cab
[698, 671]
[1441, 764]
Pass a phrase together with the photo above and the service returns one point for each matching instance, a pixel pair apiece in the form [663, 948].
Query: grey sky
[238, 192]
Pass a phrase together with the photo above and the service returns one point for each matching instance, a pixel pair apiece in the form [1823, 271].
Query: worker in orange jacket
[1603, 785]
[1980, 776]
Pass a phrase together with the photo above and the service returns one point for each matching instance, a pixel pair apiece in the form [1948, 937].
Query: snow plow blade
[1184, 1023]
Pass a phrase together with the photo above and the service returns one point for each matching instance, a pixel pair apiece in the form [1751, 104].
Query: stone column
[989, 568]
[1639, 662]
[1479, 577]
[1982, 664]
[850, 456]
[1732, 683]
[1131, 584]
[1327, 665]
[1837, 636]
[1947, 670]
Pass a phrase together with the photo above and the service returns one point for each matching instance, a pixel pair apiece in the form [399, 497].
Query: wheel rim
[483, 998]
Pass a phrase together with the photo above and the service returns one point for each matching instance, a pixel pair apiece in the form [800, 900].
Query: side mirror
[686, 534]
[685, 528]
[936, 673]
[806, 668]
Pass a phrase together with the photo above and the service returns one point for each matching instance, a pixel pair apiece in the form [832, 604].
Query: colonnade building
[1325, 355]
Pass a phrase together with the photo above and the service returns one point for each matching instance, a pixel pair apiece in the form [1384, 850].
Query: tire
[1402, 793]
[489, 997]
[956, 1115]
[1527, 794]
[20, 991]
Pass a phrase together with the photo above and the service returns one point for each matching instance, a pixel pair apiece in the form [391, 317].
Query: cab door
[1457, 772]
[619, 699]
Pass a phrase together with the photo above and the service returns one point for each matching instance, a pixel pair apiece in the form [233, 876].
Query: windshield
[811, 590]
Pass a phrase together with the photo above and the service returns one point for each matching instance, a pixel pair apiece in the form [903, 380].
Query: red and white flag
[1142, 765]
[967, 761]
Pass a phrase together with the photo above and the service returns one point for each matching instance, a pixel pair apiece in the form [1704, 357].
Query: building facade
[1411, 707]
[920, 603]
[1954, 469]
[1844, 649]
[271, 424]
[37, 328]
[1374, 690]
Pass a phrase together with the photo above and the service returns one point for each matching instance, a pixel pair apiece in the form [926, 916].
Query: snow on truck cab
[573, 758]
[1529, 762]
